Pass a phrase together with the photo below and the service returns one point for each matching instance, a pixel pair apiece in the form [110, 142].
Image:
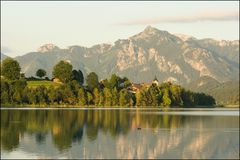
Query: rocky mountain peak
[150, 30]
[48, 48]
[151, 34]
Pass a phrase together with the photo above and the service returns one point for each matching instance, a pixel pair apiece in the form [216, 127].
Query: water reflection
[115, 134]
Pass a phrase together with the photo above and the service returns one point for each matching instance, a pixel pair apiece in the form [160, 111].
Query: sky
[25, 26]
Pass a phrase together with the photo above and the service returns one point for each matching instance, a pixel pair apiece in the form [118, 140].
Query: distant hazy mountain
[223, 93]
[176, 58]
[3, 56]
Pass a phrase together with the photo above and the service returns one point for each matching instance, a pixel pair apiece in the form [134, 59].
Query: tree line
[115, 91]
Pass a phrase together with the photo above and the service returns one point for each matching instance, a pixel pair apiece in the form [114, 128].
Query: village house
[135, 87]
[56, 80]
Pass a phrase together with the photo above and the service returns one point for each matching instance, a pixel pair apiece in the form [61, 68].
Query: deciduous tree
[10, 69]
[92, 81]
[41, 73]
[63, 71]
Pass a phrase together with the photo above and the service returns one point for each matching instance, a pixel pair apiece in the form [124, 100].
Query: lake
[120, 133]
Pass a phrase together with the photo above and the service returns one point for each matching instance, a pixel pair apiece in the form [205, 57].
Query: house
[136, 87]
[155, 81]
[56, 80]
[146, 85]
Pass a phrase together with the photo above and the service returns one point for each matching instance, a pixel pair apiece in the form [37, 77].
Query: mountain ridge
[142, 56]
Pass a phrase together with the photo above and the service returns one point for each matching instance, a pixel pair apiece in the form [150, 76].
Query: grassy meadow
[34, 84]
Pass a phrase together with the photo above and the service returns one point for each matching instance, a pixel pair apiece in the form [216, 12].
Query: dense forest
[72, 91]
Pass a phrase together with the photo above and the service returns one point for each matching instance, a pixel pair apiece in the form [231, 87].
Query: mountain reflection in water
[117, 134]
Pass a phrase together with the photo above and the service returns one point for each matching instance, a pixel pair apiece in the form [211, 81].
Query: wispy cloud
[201, 16]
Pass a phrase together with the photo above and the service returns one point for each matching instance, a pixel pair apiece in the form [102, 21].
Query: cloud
[200, 16]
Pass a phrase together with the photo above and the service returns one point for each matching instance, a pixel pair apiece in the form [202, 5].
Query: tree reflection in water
[67, 126]
[115, 134]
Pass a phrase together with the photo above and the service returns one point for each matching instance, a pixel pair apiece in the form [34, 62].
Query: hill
[226, 93]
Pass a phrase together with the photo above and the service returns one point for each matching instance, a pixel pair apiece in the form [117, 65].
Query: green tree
[125, 98]
[166, 98]
[63, 71]
[153, 95]
[52, 95]
[74, 87]
[68, 95]
[22, 76]
[59, 94]
[203, 99]
[187, 97]
[105, 83]
[32, 98]
[114, 81]
[41, 94]
[41, 73]
[5, 87]
[115, 97]
[96, 96]
[142, 97]
[89, 98]
[107, 97]
[138, 99]
[126, 82]
[10, 69]
[82, 97]
[16, 90]
[101, 99]
[78, 76]
[176, 95]
[92, 81]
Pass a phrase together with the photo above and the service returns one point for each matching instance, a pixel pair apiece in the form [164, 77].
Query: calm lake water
[114, 133]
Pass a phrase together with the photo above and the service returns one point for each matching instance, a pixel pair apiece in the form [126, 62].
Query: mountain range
[152, 52]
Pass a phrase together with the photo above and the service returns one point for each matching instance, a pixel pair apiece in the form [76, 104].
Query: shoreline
[200, 108]
[90, 107]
